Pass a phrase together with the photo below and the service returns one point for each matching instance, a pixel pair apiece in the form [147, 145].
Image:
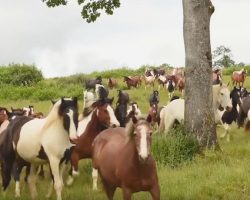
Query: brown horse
[153, 113]
[122, 157]
[134, 81]
[217, 77]
[100, 117]
[112, 83]
[239, 77]
[179, 81]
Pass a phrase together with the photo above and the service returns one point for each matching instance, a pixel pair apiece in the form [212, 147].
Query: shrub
[20, 75]
[174, 148]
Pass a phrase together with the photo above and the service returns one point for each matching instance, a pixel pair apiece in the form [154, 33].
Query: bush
[20, 75]
[174, 148]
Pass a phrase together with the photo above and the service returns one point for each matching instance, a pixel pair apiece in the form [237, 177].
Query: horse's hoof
[70, 181]
[75, 173]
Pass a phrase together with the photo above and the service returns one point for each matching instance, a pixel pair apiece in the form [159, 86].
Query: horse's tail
[8, 158]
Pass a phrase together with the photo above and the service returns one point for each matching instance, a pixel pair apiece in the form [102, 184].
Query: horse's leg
[168, 123]
[95, 178]
[126, 193]
[41, 172]
[54, 164]
[51, 188]
[32, 181]
[109, 189]
[17, 169]
[74, 168]
[155, 192]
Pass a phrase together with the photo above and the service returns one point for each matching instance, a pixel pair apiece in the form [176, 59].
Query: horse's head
[224, 97]
[141, 132]
[105, 112]
[68, 111]
[235, 95]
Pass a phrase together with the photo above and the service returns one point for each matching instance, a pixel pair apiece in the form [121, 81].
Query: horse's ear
[53, 102]
[149, 118]
[134, 120]
[228, 83]
[11, 108]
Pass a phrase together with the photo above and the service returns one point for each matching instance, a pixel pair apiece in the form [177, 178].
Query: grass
[214, 175]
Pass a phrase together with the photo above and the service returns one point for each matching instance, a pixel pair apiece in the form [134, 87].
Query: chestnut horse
[134, 81]
[239, 77]
[122, 158]
[153, 113]
[100, 117]
[112, 83]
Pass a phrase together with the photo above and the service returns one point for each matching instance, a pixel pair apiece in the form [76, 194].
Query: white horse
[38, 141]
[175, 109]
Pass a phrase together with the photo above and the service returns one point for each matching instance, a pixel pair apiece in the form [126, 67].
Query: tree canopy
[91, 9]
[223, 57]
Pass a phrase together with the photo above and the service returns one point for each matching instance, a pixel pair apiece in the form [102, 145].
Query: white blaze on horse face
[72, 127]
[113, 120]
[225, 99]
[143, 143]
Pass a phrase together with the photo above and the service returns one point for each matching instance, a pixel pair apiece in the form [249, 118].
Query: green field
[214, 175]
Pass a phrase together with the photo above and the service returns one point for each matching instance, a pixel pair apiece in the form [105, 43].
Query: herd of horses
[117, 140]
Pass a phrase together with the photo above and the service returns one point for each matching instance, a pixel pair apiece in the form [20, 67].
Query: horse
[154, 98]
[38, 141]
[132, 81]
[159, 72]
[90, 84]
[149, 72]
[244, 92]
[133, 110]
[28, 110]
[101, 92]
[174, 111]
[170, 86]
[153, 113]
[123, 97]
[100, 117]
[149, 80]
[123, 159]
[217, 79]
[121, 113]
[162, 80]
[227, 117]
[238, 77]
[244, 112]
[112, 83]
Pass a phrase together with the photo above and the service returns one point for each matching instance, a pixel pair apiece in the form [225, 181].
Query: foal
[122, 158]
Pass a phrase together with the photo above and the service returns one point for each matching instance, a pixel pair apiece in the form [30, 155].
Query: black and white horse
[38, 141]
[90, 84]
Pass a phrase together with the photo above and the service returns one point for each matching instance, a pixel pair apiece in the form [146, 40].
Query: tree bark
[199, 113]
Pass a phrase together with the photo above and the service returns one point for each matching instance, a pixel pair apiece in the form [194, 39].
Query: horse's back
[106, 146]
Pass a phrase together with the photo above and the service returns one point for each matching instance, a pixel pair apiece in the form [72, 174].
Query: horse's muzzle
[228, 108]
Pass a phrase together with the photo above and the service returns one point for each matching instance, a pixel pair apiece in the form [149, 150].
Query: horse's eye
[221, 94]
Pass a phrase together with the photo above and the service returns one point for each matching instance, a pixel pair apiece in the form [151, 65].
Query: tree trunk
[199, 113]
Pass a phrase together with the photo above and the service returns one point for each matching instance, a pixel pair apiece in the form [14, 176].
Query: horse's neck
[216, 103]
[93, 127]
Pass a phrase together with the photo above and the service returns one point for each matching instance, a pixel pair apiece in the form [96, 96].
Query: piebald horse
[38, 141]
[122, 158]
[174, 111]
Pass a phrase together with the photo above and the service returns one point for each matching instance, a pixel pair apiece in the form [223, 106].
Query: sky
[141, 32]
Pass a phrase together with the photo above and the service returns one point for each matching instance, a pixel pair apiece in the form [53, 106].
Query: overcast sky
[140, 32]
